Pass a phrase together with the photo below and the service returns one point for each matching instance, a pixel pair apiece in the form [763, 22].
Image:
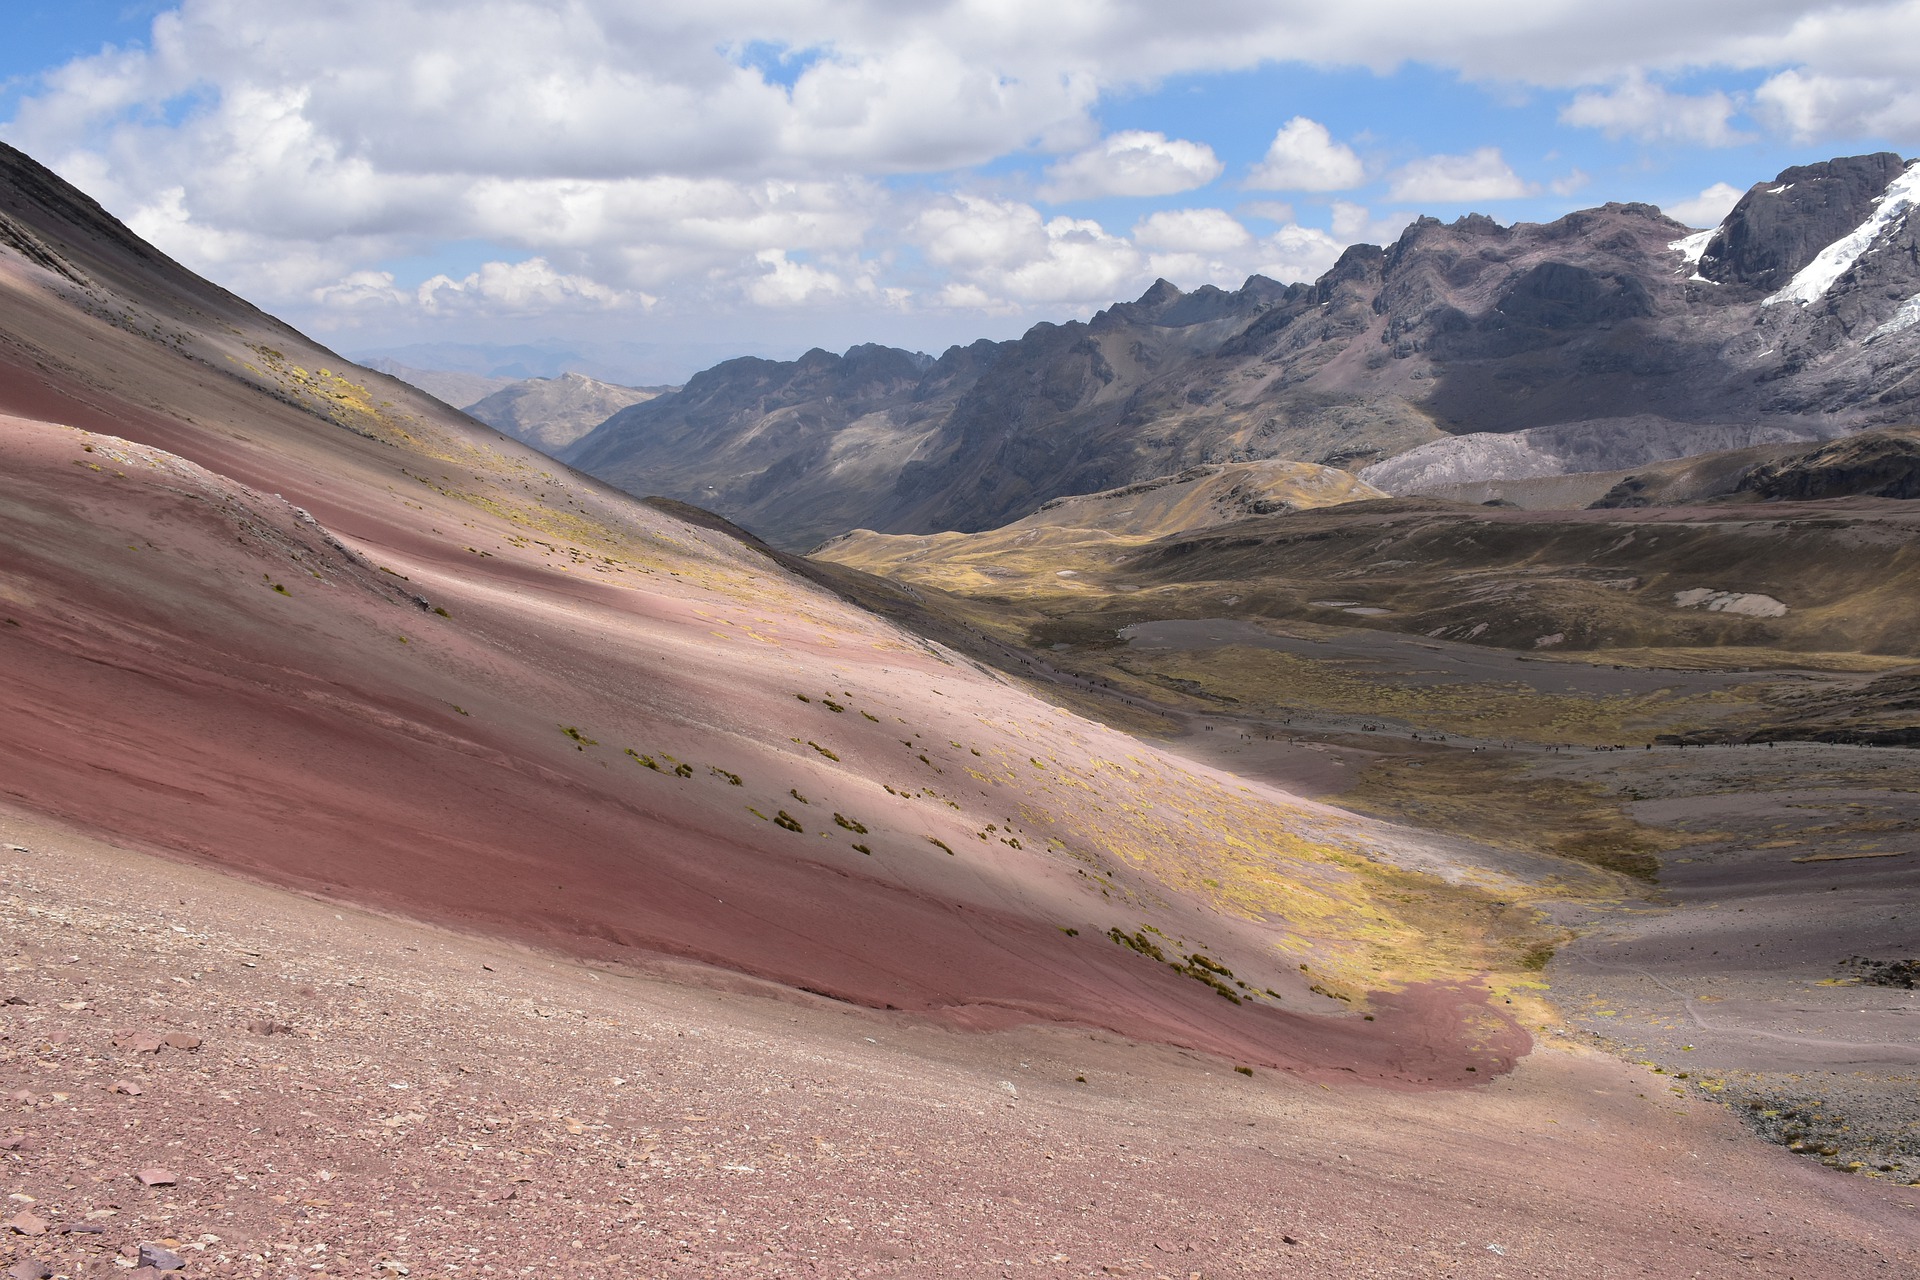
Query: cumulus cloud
[1480, 175]
[361, 291]
[521, 288]
[1191, 230]
[1355, 224]
[748, 153]
[1297, 254]
[1637, 108]
[789, 284]
[1708, 208]
[1134, 163]
[1806, 106]
[1304, 157]
[1003, 252]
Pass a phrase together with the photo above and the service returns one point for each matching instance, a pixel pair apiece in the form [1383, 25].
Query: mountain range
[1468, 351]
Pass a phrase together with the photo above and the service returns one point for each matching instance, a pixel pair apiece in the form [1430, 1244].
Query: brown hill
[551, 413]
[277, 614]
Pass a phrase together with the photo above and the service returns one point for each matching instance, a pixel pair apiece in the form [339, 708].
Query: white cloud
[521, 288]
[658, 149]
[1639, 109]
[361, 291]
[1002, 252]
[1304, 157]
[1133, 163]
[1706, 209]
[1481, 175]
[969, 231]
[1355, 224]
[1806, 106]
[789, 284]
[1191, 231]
[1570, 182]
[1295, 254]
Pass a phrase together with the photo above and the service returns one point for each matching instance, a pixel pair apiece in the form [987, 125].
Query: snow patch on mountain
[1691, 247]
[1906, 317]
[1832, 262]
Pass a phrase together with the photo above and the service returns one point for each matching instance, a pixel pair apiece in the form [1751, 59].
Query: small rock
[155, 1176]
[15, 1142]
[22, 1096]
[16, 1000]
[160, 1258]
[58, 1037]
[182, 1041]
[27, 1224]
[85, 1229]
[139, 1042]
[268, 1027]
[129, 1087]
[30, 1269]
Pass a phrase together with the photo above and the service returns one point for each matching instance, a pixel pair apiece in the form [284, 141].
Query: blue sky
[673, 177]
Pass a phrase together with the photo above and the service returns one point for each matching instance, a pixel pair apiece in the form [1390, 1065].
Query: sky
[654, 185]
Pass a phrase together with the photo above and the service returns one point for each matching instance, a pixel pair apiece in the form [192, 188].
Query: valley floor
[434, 1104]
[1782, 878]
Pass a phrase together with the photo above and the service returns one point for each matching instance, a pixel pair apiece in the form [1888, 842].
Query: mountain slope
[455, 388]
[271, 612]
[1614, 336]
[1091, 532]
[551, 413]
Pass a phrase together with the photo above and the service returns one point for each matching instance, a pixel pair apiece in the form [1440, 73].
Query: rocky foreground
[206, 1075]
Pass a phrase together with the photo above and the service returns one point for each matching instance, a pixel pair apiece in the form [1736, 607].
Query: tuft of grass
[683, 770]
[822, 750]
[647, 761]
[850, 824]
[733, 779]
[1536, 956]
[941, 844]
[442, 612]
[1245, 1071]
[578, 736]
[788, 821]
[863, 849]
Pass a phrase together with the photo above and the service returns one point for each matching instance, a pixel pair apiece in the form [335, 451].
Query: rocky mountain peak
[1780, 226]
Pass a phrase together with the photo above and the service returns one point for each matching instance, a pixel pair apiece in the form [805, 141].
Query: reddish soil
[444, 1105]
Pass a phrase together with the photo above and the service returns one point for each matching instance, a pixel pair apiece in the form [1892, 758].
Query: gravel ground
[366, 1096]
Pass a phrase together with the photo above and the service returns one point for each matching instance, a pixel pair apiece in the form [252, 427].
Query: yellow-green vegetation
[1494, 799]
[1262, 679]
[1738, 658]
[1363, 922]
[1043, 552]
